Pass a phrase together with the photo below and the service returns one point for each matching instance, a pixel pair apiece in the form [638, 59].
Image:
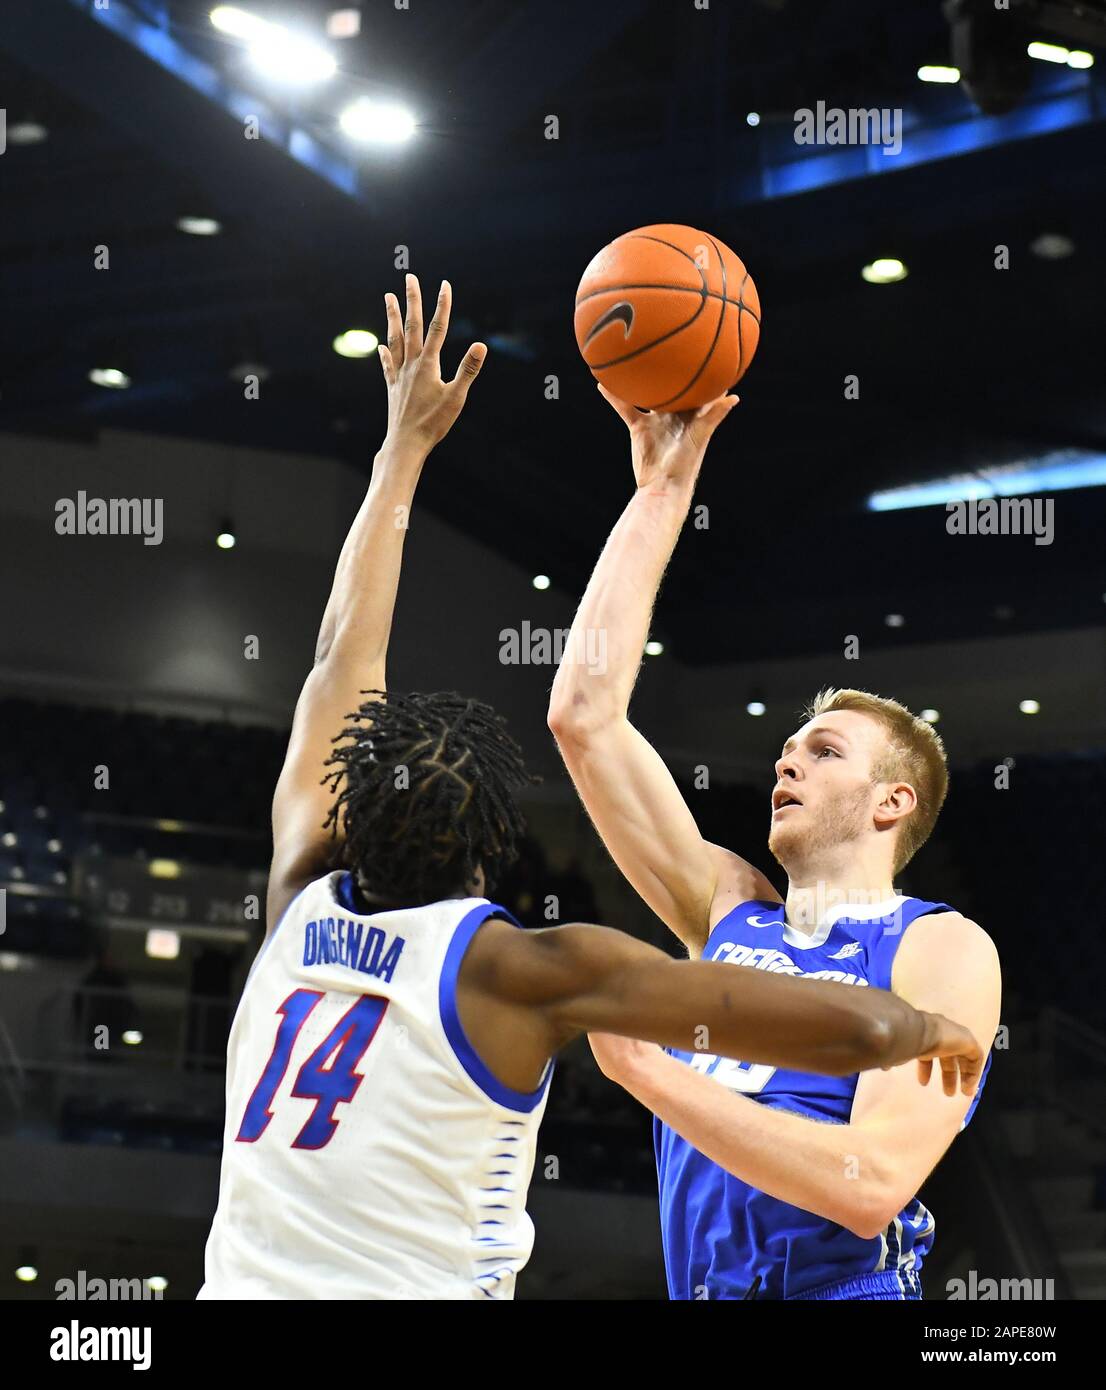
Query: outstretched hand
[669, 446]
[422, 408]
[960, 1057]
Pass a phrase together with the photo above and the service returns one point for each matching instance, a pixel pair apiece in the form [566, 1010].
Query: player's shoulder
[951, 928]
[941, 937]
[527, 965]
[737, 882]
[286, 894]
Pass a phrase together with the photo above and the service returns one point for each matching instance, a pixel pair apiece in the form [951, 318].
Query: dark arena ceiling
[958, 367]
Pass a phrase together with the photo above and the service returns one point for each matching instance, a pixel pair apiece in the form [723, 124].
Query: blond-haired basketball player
[774, 1183]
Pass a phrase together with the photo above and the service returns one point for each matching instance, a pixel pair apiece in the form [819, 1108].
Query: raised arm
[524, 994]
[623, 782]
[353, 638]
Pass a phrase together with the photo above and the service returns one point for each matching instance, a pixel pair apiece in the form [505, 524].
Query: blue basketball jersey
[725, 1239]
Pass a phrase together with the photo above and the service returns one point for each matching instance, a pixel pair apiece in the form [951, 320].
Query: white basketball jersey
[368, 1151]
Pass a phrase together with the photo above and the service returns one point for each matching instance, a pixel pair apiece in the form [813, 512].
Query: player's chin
[781, 842]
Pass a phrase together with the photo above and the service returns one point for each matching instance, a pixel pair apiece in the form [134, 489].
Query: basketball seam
[656, 342]
[679, 289]
[717, 333]
[648, 236]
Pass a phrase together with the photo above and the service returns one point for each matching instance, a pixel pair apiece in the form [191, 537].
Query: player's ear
[897, 802]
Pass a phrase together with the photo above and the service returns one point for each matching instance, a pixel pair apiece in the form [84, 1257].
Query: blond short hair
[914, 754]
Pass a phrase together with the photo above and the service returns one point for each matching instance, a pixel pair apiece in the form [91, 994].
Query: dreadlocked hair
[425, 788]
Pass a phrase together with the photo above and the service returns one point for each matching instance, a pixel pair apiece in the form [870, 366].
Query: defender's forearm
[358, 615]
[769, 1018]
[618, 603]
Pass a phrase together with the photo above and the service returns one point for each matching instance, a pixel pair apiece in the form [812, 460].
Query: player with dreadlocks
[390, 1057]
[454, 818]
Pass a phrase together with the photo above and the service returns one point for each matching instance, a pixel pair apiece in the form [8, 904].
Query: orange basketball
[667, 318]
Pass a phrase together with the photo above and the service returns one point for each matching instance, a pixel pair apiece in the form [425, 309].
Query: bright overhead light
[164, 868]
[26, 133]
[1029, 706]
[753, 118]
[755, 708]
[226, 540]
[375, 122]
[894, 620]
[935, 72]
[132, 1037]
[110, 377]
[931, 716]
[162, 944]
[1056, 53]
[288, 57]
[26, 1274]
[199, 226]
[654, 648]
[540, 581]
[343, 24]
[356, 342]
[1052, 246]
[239, 24]
[1058, 471]
[1048, 52]
[884, 271]
[157, 1283]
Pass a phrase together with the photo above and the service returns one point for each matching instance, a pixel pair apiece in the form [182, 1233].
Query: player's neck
[384, 904]
[811, 902]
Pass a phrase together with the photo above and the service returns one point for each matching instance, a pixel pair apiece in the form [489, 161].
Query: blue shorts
[888, 1284]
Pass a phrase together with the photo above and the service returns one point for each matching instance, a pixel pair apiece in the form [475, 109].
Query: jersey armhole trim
[271, 934]
[748, 902]
[474, 1067]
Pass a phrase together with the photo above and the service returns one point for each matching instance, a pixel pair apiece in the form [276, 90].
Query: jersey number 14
[327, 1085]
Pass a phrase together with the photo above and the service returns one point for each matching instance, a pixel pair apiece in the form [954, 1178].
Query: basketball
[667, 317]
